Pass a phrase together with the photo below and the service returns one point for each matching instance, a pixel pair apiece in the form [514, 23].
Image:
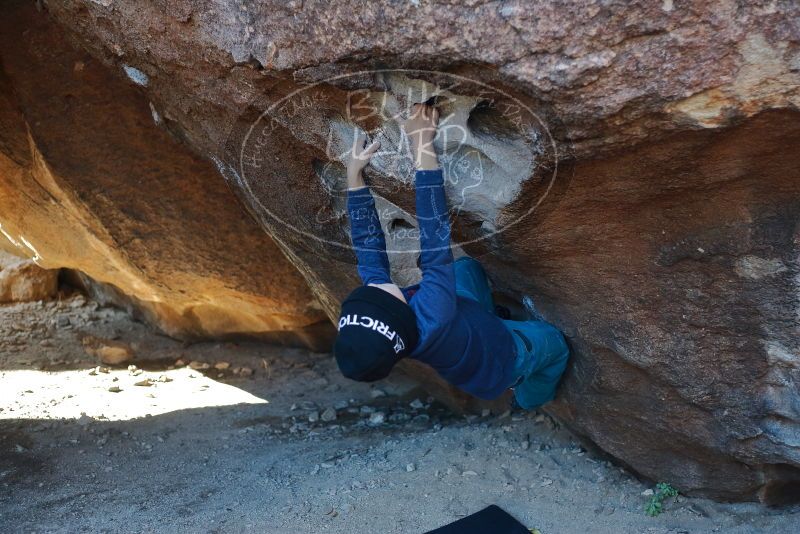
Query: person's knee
[557, 343]
[561, 362]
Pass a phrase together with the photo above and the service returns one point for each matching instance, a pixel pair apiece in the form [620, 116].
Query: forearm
[436, 298]
[367, 236]
[433, 218]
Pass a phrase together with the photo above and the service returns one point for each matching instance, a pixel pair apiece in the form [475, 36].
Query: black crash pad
[490, 520]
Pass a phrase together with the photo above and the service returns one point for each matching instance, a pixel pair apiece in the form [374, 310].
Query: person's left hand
[359, 157]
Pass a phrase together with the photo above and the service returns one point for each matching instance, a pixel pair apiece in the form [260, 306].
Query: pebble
[197, 366]
[416, 404]
[114, 389]
[410, 468]
[329, 415]
[377, 418]
[144, 383]
[367, 409]
[647, 492]
[377, 393]
[313, 417]
[180, 362]
[164, 378]
[84, 419]
[469, 474]
[245, 371]
[221, 366]
[340, 405]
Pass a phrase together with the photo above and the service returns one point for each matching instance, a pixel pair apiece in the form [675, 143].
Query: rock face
[634, 167]
[22, 280]
[91, 183]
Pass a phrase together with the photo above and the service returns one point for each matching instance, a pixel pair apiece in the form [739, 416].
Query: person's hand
[358, 158]
[359, 155]
[420, 127]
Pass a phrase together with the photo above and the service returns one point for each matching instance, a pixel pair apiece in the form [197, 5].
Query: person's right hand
[359, 155]
[420, 127]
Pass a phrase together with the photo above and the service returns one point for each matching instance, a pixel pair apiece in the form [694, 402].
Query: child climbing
[448, 320]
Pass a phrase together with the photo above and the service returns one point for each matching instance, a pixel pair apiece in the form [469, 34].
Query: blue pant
[542, 352]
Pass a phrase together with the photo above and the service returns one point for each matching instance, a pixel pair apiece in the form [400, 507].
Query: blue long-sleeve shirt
[468, 346]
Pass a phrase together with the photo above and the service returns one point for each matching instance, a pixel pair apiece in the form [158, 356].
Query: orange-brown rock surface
[91, 183]
[665, 245]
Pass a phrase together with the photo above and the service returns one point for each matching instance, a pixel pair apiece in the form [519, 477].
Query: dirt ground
[291, 448]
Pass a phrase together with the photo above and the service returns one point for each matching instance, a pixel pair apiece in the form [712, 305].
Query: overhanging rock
[666, 247]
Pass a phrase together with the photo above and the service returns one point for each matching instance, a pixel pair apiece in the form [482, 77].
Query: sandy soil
[208, 450]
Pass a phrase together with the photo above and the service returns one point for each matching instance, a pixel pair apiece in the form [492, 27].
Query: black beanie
[376, 330]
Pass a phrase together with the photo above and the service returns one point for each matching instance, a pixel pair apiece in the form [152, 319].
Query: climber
[448, 320]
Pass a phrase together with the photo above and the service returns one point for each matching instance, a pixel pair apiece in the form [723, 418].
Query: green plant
[656, 503]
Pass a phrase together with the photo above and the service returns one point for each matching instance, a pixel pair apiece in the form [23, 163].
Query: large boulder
[632, 166]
